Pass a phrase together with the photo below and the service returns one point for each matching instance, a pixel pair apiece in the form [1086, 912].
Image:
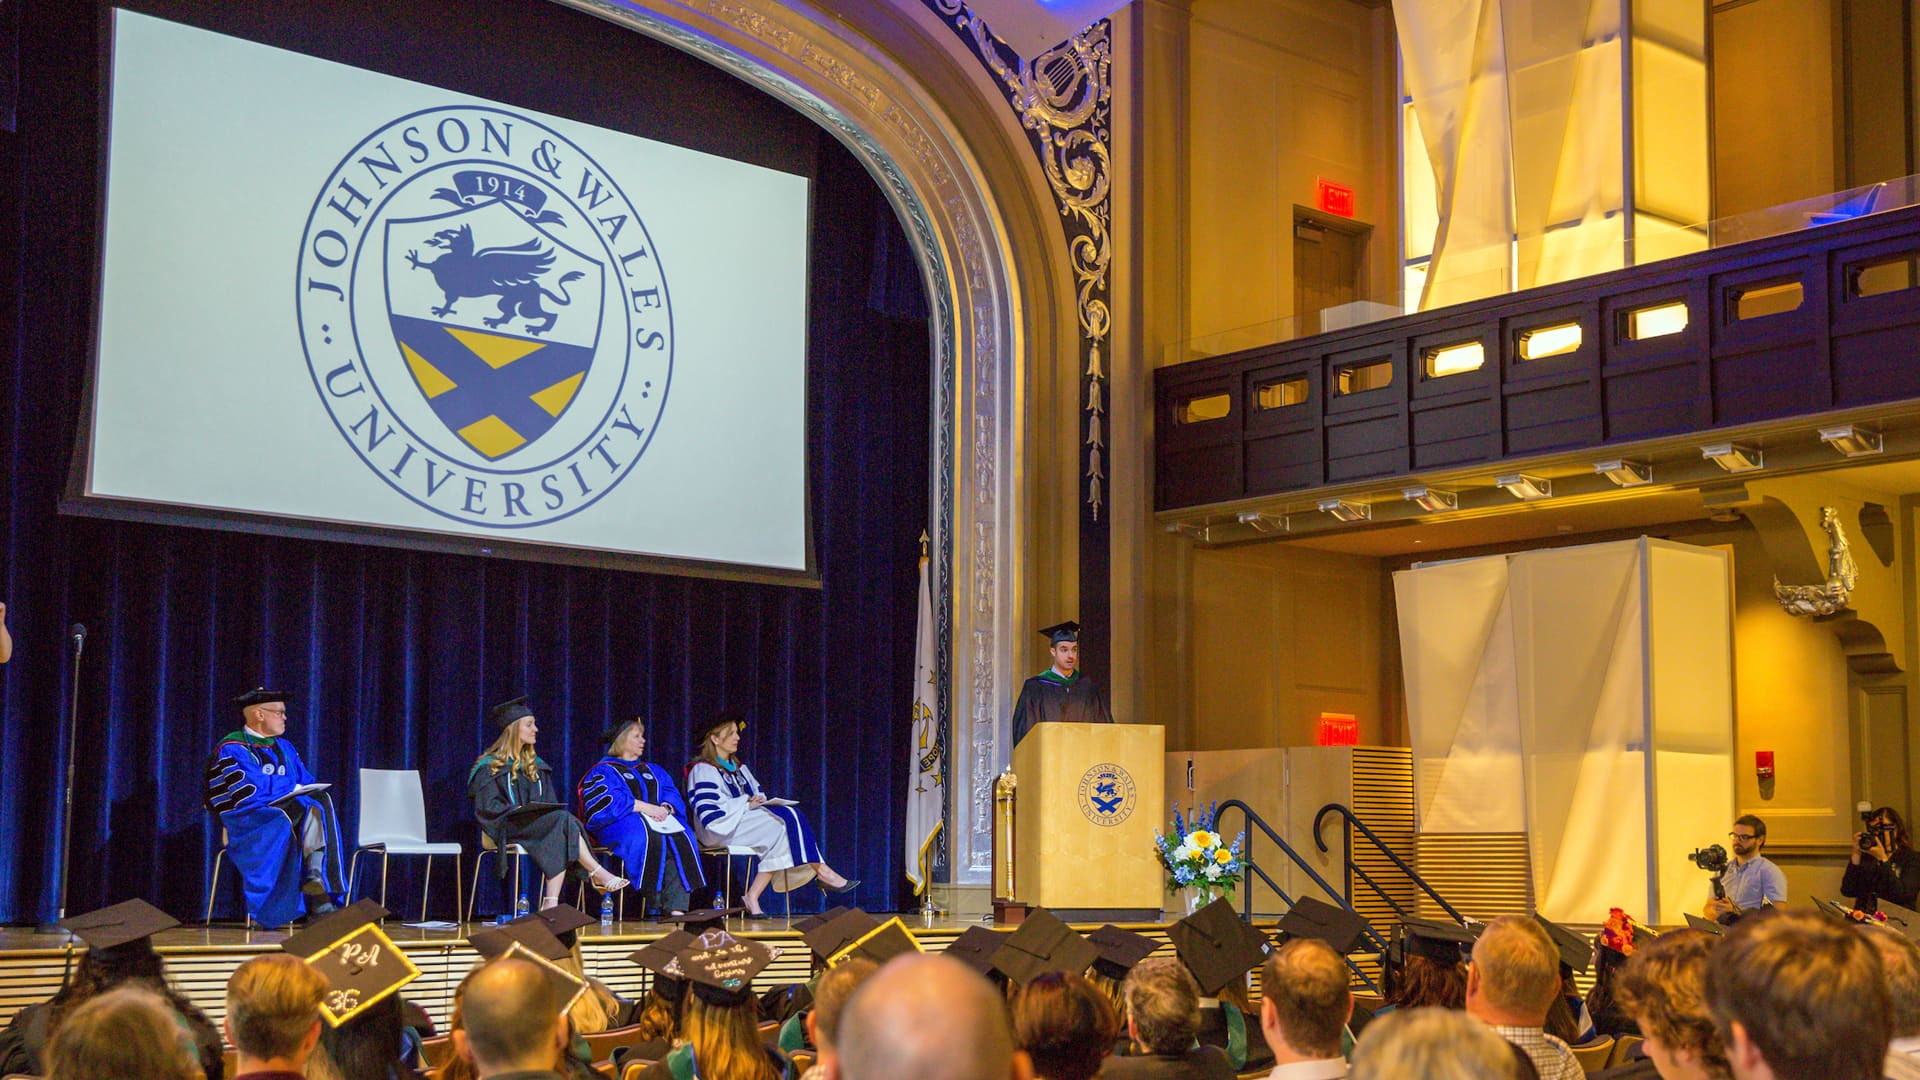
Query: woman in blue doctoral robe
[285, 846]
[619, 796]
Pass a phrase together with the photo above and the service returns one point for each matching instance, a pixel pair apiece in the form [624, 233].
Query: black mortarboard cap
[360, 962]
[1217, 946]
[1705, 926]
[1576, 951]
[975, 947]
[720, 719]
[1119, 950]
[260, 695]
[837, 933]
[509, 711]
[613, 731]
[1043, 943]
[1905, 921]
[703, 919]
[1059, 632]
[722, 972]
[561, 921]
[128, 923]
[1442, 942]
[880, 944]
[656, 956]
[567, 987]
[814, 922]
[1312, 917]
[529, 933]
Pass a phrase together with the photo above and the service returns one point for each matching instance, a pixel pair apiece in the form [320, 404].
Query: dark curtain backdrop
[394, 655]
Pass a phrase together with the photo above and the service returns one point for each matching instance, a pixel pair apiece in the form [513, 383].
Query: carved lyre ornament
[1829, 597]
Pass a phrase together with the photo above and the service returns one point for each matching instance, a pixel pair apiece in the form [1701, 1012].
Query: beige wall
[1773, 114]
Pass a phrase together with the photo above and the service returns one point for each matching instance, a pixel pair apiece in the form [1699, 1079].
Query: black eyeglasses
[1744, 836]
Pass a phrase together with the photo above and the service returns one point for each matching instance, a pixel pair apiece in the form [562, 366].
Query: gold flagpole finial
[923, 543]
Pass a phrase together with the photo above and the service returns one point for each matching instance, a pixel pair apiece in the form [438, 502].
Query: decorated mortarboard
[1904, 920]
[1311, 917]
[567, 987]
[836, 933]
[1619, 933]
[509, 711]
[530, 934]
[1441, 942]
[880, 944]
[1575, 950]
[704, 919]
[260, 695]
[814, 922]
[1119, 950]
[1705, 926]
[1217, 946]
[561, 921]
[1059, 632]
[1043, 943]
[975, 948]
[657, 956]
[360, 962]
[722, 971]
[127, 924]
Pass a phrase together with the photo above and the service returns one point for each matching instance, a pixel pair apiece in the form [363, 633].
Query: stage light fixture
[1342, 510]
[1201, 533]
[1266, 523]
[1428, 499]
[1625, 473]
[1853, 440]
[1734, 457]
[1522, 486]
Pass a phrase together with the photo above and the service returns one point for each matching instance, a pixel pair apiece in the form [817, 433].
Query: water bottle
[520, 907]
[606, 912]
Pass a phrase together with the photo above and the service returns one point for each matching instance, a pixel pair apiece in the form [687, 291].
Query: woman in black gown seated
[516, 802]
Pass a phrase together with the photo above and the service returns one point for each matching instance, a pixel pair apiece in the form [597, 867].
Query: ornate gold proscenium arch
[974, 215]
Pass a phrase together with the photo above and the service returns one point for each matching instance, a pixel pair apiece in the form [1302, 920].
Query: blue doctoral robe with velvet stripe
[248, 784]
[606, 794]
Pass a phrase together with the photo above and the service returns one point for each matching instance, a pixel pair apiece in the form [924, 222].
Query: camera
[1883, 833]
[1712, 858]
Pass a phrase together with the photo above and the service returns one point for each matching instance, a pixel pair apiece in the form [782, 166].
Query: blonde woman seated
[731, 810]
[516, 802]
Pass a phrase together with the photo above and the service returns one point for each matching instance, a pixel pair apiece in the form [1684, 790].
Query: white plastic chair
[393, 821]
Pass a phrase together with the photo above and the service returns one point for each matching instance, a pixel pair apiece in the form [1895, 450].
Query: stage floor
[200, 959]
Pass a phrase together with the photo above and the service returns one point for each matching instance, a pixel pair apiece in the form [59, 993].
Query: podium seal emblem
[1107, 795]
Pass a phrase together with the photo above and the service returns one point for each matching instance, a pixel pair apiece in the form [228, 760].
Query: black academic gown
[513, 810]
[1199, 1063]
[1049, 698]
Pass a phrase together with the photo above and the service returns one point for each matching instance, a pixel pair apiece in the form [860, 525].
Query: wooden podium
[1089, 799]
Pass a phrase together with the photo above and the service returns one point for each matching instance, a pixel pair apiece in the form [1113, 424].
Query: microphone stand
[79, 639]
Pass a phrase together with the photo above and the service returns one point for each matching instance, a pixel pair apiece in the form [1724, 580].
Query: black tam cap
[1217, 946]
[1119, 949]
[880, 944]
[614, 730]
[260, 695]
[1043, 943]
[1441, 942]
[837, 933]
[1314, 918]
[561, 921]
[1576, 951]
[975, 948]
[509, 711]
[1059, 632]
[360, 962]
[722, 972]
[720, 719]
[124, 926]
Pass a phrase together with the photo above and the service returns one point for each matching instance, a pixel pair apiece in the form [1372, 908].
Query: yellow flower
[1201, 839]
[1223, 856]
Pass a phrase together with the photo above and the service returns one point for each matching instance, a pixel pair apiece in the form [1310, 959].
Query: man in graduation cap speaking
[281, 830]
[1060, 693]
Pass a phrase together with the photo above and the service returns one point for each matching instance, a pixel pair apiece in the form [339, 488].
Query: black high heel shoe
[848, 886]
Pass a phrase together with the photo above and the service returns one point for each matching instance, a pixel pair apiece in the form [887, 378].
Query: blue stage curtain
[395, 655]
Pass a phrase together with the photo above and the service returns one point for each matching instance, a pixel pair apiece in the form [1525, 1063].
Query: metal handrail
[1378, 943]
[1352, 822]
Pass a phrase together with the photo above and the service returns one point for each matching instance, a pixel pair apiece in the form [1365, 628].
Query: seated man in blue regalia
[281, 830]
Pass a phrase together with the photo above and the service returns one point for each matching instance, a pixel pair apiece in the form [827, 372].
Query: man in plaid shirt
[1511, 984]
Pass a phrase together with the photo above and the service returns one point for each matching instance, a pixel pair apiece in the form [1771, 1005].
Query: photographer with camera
[1750, 881]
[1884, 865]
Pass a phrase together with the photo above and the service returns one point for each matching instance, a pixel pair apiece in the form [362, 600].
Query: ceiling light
[1734, 457]
[1430, 500]
[1625, 473]
[1342, 510]
[1522, 486]
[1853, 440]
[1266, 523]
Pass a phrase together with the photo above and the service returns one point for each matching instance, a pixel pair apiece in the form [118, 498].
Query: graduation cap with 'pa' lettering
[360, 962]
[1043, 943]
[1119, 949]
[1575, 950]
[1311, 917]
[123, 928]
[1217, 946]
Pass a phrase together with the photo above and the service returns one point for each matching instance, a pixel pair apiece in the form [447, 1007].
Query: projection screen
[337, 303]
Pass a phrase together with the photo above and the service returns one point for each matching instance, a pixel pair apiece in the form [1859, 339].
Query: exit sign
[1335, 199]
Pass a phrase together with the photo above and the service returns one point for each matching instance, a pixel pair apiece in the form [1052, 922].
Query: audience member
[1883, 865]
[927, 1018]
[369, 1046]
[721, 1018]
[1163, 1020]
[1663, 989]
[1797, 996]
[1512, 983]
[830, 996]
[1900, 963]
[1433, 1044]
[1427, 966]
[128, 1032]
[1065, 1024]
[1751, 880]
[273, 1016]
[512, 1024]
[1305, 1004]
[1612, 948]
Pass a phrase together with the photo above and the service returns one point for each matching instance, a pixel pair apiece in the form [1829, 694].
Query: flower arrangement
[1197, 857]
